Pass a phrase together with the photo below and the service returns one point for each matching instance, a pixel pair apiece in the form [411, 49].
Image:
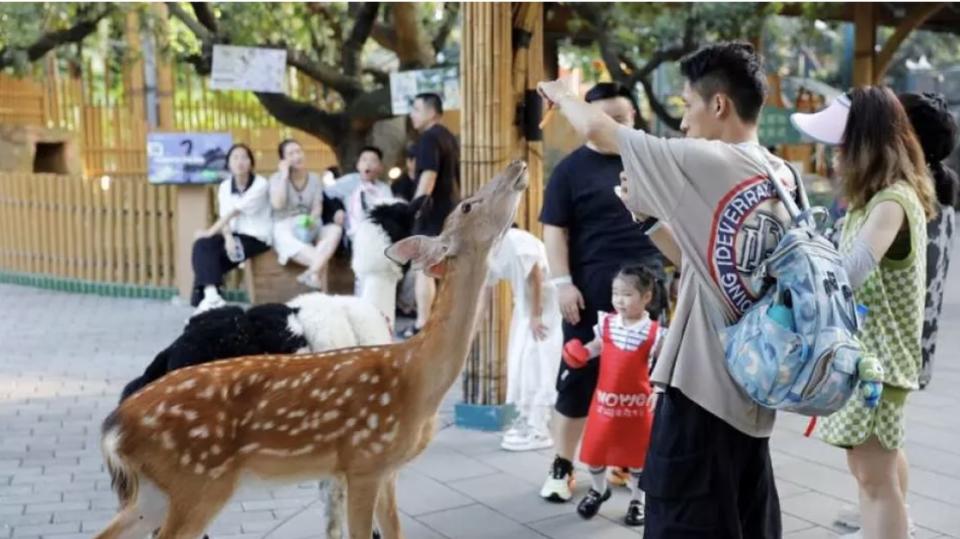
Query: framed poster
[249, 68]
[183, 158]
[405, 85]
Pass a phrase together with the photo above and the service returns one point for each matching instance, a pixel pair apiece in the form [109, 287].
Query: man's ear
[721, 105]
[422, 251]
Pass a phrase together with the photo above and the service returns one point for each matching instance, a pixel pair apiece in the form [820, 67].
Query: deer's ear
[423, 251]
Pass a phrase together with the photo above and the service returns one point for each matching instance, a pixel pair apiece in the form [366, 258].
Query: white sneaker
[849, 517]
[519, 430]
[534, 441]
[208, 303]
[558, 487]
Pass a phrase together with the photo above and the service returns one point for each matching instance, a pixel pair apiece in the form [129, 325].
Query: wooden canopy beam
[865, 40]
[917, 15]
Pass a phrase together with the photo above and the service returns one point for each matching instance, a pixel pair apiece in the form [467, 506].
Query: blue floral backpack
[796, 348]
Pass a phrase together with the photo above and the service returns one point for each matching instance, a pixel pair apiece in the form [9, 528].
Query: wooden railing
[115, 230]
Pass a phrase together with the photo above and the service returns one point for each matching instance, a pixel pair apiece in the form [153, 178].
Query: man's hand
[284, 167]
[555, 90]
[539, 329]
[338, 218]
[203, 234]
[571, 302]
[622, 193]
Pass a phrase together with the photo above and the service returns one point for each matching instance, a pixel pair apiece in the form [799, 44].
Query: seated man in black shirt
[438, 179]
[405, 186]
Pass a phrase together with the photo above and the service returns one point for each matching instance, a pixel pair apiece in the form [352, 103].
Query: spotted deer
[179, 449]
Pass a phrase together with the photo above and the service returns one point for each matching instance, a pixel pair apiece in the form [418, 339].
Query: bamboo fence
[107, 231]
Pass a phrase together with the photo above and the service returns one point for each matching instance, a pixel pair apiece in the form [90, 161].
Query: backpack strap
[799, 213]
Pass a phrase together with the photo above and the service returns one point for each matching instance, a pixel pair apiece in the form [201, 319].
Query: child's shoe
[635, 514]
[558, 487]
[590, 504]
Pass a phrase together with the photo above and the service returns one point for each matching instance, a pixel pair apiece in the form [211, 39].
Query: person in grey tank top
[307, 224]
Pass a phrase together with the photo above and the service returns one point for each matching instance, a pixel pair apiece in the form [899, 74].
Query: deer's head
[471, 229]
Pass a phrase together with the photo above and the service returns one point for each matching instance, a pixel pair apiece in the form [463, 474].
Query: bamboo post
[487, 135]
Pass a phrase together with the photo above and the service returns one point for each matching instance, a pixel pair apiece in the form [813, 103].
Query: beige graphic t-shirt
[726, 218]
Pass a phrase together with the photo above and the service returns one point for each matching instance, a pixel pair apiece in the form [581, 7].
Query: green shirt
[894, 291]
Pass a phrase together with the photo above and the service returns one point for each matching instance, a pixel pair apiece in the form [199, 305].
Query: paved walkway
[64, 358]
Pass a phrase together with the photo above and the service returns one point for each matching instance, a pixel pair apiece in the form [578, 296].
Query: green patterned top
[894, 292]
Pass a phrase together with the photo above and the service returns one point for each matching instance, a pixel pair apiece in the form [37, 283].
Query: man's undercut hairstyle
[732, 68]
[610, 90]
[432, 100]
[372, 149]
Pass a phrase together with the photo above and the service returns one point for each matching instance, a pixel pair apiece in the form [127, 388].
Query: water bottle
[236, 254]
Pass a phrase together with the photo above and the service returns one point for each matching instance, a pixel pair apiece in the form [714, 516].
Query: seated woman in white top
[307, 225]
[370, 190]
[241, 232]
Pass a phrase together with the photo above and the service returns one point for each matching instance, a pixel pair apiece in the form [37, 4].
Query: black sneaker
[590, 504]
[635, 515]
[558, 487]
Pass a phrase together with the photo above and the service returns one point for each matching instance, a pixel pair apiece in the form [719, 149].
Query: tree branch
[346, 86]
[304, 116]
[450, 12]
[51, 40]
[659, 108]
[385, 37]
[364, 18]
[205, 15]
[199, 30]
[413, 49]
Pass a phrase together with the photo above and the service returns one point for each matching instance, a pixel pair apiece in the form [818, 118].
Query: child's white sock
[635, 492]
[598, 479]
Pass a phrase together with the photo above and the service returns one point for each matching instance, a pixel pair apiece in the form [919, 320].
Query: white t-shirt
[254, 205]
[626, 337]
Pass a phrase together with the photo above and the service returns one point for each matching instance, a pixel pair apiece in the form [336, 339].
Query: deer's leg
[193, 507]
[387, 517]
[141, 516]
[331, 491]
[361, 500]
[126, 525]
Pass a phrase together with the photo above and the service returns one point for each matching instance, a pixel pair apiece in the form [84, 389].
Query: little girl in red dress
[621, 414]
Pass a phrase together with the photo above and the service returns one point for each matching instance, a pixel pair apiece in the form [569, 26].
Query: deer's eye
[466, 207]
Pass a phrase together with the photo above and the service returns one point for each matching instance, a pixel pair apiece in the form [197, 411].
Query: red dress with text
[620, 419]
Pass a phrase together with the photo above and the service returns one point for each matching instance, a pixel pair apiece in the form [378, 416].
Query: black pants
[210, 262]
[705, 479]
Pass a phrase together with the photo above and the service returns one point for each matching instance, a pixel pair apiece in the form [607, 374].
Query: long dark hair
[283, 145]
[880, 149]
[937, 131]
[644, 278]
[253, 162]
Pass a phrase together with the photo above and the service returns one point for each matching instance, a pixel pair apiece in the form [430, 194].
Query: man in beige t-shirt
[708, 471]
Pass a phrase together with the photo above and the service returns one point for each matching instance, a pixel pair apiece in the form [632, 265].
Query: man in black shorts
[438, 180]
[589, 235]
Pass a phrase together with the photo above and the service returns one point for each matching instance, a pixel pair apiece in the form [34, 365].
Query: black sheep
[224, 333]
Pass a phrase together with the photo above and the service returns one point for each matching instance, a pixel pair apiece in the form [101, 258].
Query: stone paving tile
[71, 354]
[477, 522]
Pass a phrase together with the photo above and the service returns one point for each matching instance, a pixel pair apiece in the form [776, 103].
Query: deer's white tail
[123, 480]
